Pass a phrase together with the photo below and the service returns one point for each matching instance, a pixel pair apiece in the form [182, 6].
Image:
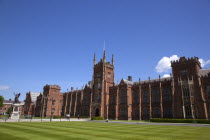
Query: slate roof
[204, 72]
[34, 96]
[127, 81]
[8, 101]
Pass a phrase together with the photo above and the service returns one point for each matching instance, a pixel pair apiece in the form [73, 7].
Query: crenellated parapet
[52, 87]
[184, 60]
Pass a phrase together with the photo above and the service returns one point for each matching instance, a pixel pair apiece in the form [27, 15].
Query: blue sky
[53, 41]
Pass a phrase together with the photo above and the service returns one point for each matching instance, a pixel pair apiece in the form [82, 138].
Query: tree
[1, 101]
[9, 111]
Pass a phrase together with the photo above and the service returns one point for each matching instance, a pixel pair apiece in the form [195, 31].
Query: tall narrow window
[123, 96]
[167, 95]
[135, 97]
[186, 91]
[167, 112]
[113, 99]
[53, 102]
[146, 112]
[135, 112]
[156, 95]
[188, 111]
[123, 111]
[146, 96]
[156, 113]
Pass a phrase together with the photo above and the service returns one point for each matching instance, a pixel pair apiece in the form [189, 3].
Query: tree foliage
[1, 101]
[9, 111]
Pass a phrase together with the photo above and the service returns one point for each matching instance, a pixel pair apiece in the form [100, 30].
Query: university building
[185, 94]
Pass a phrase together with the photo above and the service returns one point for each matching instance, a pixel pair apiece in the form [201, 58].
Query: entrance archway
[97, 112]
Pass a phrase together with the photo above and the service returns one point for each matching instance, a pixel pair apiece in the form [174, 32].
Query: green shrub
[58, 117]
[97, 118]
[181, 120]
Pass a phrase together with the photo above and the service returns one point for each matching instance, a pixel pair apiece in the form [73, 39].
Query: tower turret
[112, 59]
[104, 57]
[94, 59]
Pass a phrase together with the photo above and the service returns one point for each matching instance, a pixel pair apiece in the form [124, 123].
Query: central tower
[103, 78]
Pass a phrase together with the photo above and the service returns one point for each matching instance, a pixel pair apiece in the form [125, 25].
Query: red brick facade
[185, 94]
[6, 105]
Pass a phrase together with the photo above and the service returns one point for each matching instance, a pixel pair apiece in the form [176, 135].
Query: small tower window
[183, 72]
[98, 75]
[99, 86]
[53, 102]
[109, 75]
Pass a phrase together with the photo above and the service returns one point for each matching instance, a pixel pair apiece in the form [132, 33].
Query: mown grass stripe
[51, 131]
[101, 131]
[156, 132]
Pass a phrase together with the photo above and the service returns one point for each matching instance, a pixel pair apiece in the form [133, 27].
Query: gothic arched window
[97, 97]
[123, 111]
[146, 96]
[113, 112]
[113, 99]
[166, 95]
[155, 95]
[167, 112]
[123, 96]
[135, 112]
[145, 112]
[156, 113]
[188, 111]
[135, 96]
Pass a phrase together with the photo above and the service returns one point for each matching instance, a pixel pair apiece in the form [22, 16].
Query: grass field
[99, 131]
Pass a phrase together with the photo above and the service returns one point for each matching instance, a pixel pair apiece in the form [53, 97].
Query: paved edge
[152, 123]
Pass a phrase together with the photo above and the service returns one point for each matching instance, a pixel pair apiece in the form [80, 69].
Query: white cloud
[203, 62]
[2, 87]
[166, 75]
[164, 65]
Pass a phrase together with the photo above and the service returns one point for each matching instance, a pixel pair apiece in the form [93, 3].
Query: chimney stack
[130, 78]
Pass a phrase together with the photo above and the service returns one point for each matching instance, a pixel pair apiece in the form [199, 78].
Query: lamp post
[107, 115]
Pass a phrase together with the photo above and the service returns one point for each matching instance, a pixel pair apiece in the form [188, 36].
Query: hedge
[181, 120]
[97, 118]
[58, 117]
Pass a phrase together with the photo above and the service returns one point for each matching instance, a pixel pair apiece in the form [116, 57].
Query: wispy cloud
[164, 64]
[203, 62]
[3, 87]
[166, 75]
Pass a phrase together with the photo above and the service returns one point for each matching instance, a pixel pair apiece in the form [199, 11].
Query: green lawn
[99, 131]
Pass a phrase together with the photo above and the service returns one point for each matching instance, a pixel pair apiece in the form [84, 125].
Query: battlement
[109, 64]
[186, 60]
[52, 87]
